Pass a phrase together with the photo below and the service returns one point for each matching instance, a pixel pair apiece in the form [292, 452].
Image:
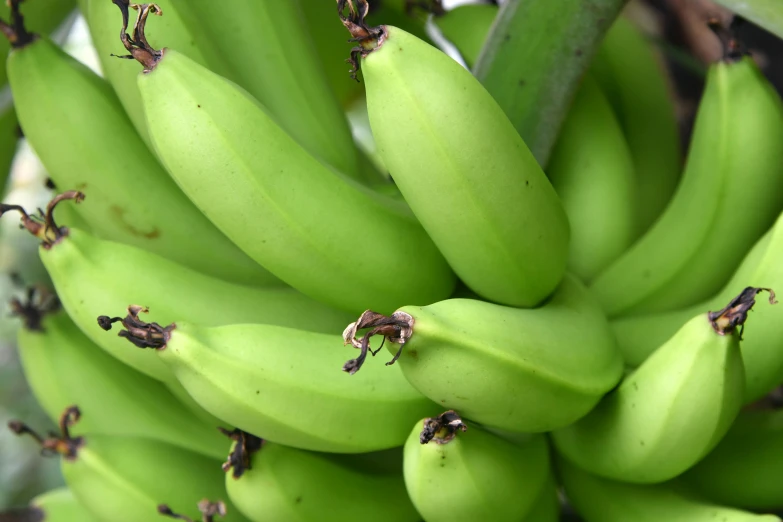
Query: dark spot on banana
[119, 213]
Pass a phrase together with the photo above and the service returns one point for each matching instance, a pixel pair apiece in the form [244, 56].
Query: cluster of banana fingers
[577, 329]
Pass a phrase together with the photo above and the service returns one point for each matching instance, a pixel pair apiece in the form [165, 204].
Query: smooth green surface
[536, 52]
[468, 177]
[77, 127]
[319, 231]
[59, 505]
[290, 484]
[765, 13]
[285, 385]
[95, 277]
[486, 360]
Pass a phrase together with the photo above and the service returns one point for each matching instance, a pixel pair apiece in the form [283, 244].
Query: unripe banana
[265, 47]
[9, 138]
[744, 469]
[731, 191]
[601, 500]
[762, 346]
[268, 481]
[671, 411]
[92, 275]
[63, 367]
[124, 479]
[102, 19]
[467, 175]
[466, 26]
[76, 125]
[631, 73]
[277, 382]
[483, 359]
[286, 209]
[593, 173]
[547, 506]
[464, 477]
[57, 505]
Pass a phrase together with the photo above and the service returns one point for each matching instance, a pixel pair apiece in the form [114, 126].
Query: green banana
[601, 500]
[631, 74]
[102, 21]
[472, 476]
[276, 381]
[268, 481]
[9, 138]
[731, 191]
[743, 470]
[484, 359]
[547, 505]
[459, 163]
[282, 206]
[57, 505]
[64, 367]
[77, 127]
[43, 15]
[124, 479]
[265, 48]
[209, 510]
[466, 26]
[593, 173]
[92, 275]
[673, 409]
[762, 347]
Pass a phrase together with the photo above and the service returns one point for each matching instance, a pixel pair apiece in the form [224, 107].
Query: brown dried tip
[733, 50]
[141, 334]
[40, 302]
[137, 45]
[443, 428]
[209, 510]
[42, 225]
[55, 444]
[14, 29]
[368, 38]
[397, 328]
[735, 314]
[239, 458]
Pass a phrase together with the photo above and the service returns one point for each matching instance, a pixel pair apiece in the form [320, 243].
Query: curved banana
[103, 22]
[601, 500]
[9, 138]
[268, 481]
[464, 477]
[483, 359]
[467, 175]
[56, 505]
[672, 410]
[744, 469]
[265, 48]
[64, 367]
[277, 382]
[593, 173]
[77, 127]
[282, 206]
[466, 26]
[124, 479]
[731, 191]
[762, 346]
[547, 505]
[632, 76]
[91, 276]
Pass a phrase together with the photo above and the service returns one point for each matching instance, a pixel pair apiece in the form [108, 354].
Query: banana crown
[63, 444]
[43, 225]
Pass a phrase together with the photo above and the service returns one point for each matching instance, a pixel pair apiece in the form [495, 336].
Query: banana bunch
[567, 336]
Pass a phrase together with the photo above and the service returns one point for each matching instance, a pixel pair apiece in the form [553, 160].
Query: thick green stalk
[534, 57]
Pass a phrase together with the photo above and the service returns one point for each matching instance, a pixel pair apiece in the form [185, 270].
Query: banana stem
[369, 38]
[43, 226]
[239, 458]
[138, 332]
[397, 328]
[535, 56]
[15, 31]
[138, 46]
[63, 444]
[443, 428]
[726, 320]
